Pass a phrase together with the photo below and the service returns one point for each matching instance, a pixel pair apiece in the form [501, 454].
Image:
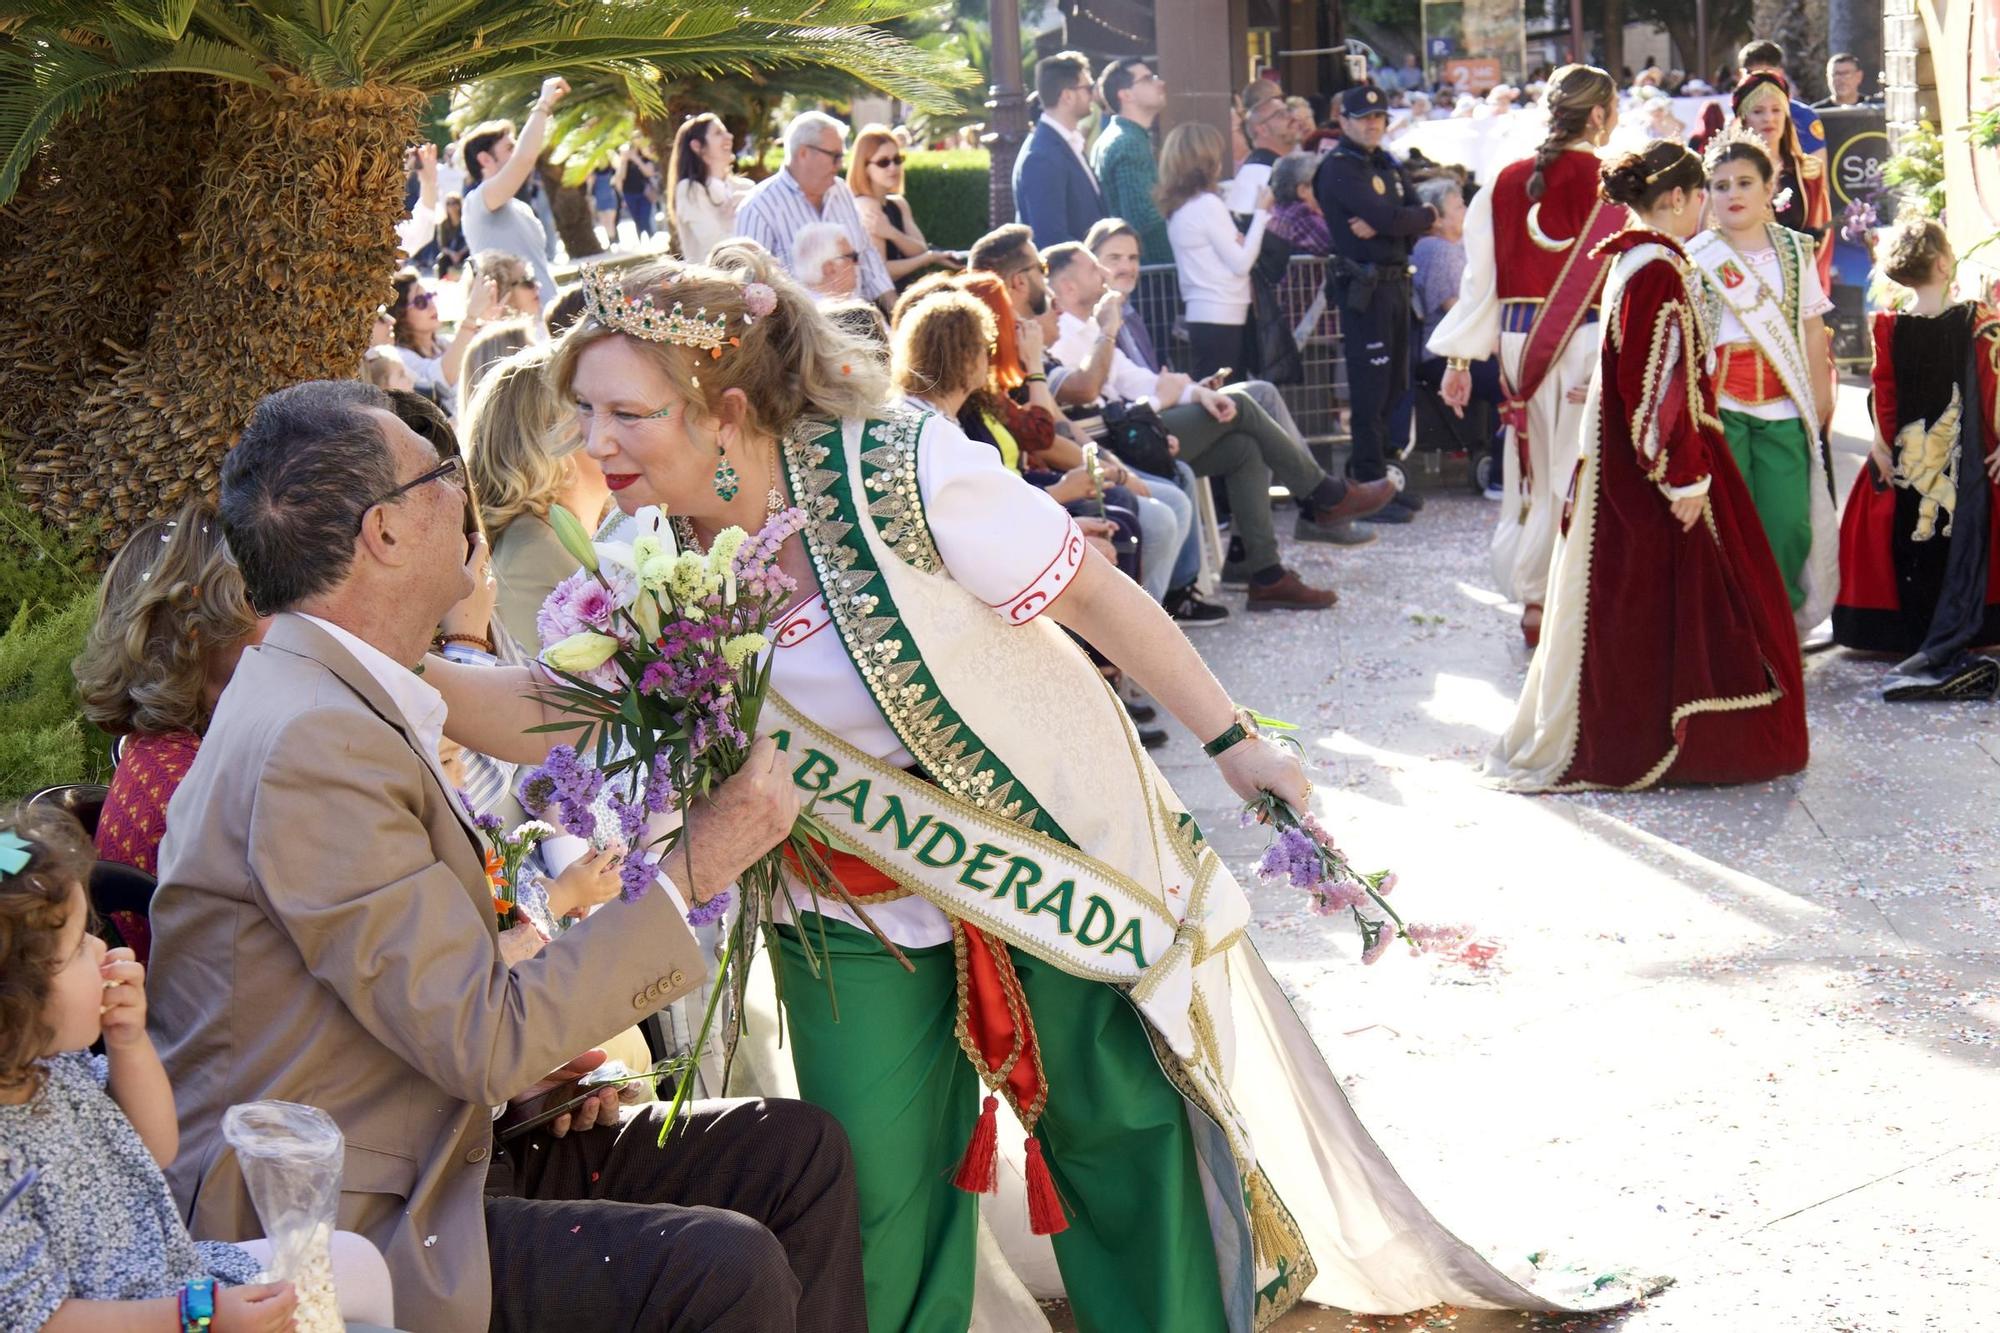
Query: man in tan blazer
[324, 934]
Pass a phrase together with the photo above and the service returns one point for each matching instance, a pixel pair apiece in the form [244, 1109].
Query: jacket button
[639, 1000]
[476, 1156]
[653, 991]
[678, 978]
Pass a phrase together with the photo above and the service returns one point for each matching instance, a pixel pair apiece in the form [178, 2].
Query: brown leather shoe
[1531, 624]
[1291, 593]
[1362, 498]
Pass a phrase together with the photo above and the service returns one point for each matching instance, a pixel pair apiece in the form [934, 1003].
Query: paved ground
[1745, 1036]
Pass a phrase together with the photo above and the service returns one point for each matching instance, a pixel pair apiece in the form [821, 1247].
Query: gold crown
[604, 300]
[1735, 133]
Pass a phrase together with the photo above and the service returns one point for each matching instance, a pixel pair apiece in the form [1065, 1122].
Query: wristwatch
[197, 1305]
[1242, 729]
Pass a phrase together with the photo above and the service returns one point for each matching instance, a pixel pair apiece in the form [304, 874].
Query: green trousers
[1775, 458]
[1137, 1254]
[1247, 452]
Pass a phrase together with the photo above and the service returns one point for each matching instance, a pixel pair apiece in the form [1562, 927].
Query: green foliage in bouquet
[1916, 172]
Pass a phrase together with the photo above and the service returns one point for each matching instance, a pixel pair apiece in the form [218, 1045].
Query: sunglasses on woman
[420, 300]
[886, 162]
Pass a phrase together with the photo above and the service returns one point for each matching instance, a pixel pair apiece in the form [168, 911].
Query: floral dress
[84, 1211]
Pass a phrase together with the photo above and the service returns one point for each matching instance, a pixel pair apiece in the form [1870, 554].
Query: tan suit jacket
[324, 934]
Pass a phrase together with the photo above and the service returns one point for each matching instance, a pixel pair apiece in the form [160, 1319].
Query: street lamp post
[1007, 108]
[1576, 52]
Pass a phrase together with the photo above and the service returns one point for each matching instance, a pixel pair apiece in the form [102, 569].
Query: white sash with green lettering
[1039, 895]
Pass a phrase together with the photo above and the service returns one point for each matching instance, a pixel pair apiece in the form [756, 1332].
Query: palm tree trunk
[93, 240]
[288, 249]
[576, 221]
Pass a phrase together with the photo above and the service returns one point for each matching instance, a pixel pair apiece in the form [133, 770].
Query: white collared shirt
[1127, 378]
[1074, 138]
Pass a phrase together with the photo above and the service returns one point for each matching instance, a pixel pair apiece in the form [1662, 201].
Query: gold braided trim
[1739, 704]
[1024, 1031]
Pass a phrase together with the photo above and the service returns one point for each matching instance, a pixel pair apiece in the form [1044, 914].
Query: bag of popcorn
[291, 1157]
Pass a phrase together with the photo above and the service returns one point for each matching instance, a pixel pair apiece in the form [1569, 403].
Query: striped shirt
[774, 212]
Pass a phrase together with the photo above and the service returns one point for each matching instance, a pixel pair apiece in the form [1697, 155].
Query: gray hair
[813, 248]
[296, 486]
[1436, 189]
[807, 126]
[1292, 171]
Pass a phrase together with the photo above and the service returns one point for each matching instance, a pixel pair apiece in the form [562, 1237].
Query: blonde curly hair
[517, 433]
[172, 601]
[791, 363]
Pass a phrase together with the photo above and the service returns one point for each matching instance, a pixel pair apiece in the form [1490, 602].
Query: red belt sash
[1745, 374]
[998, 1036]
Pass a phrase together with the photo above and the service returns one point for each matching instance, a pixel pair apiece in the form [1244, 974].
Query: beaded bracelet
[484, 645]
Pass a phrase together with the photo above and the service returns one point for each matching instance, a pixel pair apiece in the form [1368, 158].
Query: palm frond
[46, 78]
[164, 19]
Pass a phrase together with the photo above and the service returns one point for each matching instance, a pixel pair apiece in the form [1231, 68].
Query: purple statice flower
[1858, 222]
[487, 822]
[1294, 858]
[637, 875]
[660, 790]
[1387, 883]
[631, 816]
[1340, 897]
[564, 780]
[702, 914]
[1424, 936]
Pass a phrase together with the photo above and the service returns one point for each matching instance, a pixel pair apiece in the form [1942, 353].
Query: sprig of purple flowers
[1305, 856]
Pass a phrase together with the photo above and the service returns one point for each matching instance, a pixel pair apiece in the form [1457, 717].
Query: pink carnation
[1384, 937]
[561, 615]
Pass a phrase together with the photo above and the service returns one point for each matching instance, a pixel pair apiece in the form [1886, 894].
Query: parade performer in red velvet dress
[1668, 653]
[1532, 278]
[1920, 537]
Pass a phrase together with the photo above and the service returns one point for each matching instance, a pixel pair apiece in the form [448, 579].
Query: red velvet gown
[1667, 655]
[1889, 582]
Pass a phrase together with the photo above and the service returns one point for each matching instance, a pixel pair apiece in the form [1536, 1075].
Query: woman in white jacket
[1214, 258]
[703, 188]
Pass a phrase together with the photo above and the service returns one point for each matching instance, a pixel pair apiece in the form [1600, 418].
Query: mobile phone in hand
[532, 1115]
[1219, 378]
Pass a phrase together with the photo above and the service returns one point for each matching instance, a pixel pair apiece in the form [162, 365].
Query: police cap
[1364, 99]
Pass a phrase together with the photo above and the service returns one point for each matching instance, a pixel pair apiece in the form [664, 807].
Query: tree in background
[289, 232]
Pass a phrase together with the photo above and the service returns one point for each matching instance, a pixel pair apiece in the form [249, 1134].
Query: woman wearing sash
[1762, 306]
[1077, 951]
[1668, 654]
[1763, 105]
[1918, 539]
[1529, 293]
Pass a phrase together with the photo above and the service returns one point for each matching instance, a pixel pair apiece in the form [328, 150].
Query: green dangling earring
[726, 482]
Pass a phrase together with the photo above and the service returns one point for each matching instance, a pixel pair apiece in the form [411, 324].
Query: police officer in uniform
[1374, 218]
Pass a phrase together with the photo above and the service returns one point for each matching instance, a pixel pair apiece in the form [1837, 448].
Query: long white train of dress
[1378, 1248]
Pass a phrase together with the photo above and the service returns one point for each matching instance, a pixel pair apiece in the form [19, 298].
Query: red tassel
[1045, 1206]
[978, 1171]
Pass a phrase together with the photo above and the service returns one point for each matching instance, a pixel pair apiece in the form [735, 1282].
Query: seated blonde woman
[172, 621]
[521, 443]
[826, 262]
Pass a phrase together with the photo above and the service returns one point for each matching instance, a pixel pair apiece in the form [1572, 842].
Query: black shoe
[1406, 497]
[1140, 712]
[1152, 737]
[1393, 512]
[1189, 611]
[1968, 677]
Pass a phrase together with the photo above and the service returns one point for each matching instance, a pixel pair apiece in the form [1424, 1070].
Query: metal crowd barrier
[1317, 400]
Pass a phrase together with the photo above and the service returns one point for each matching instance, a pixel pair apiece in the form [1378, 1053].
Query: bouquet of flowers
[661, 655]
[504, 854]
[1305, 856]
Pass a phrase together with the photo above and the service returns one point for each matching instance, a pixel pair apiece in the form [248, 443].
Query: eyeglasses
[886, 162]
[839, 156]
[845, 257]
[451, 470]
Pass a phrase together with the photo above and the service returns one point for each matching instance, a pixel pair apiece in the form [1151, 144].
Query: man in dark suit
[1055, 193]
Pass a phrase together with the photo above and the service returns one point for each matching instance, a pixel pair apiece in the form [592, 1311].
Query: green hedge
[45, 742]
[947, 192]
